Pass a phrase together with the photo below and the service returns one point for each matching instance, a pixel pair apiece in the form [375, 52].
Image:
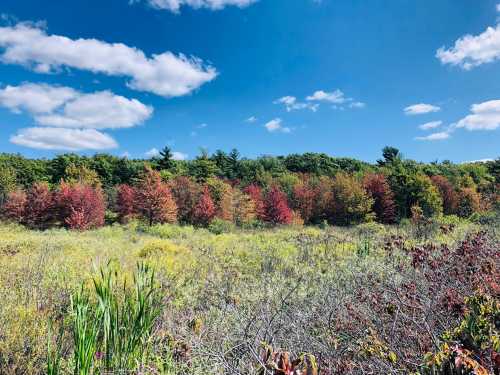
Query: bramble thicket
[85, 192]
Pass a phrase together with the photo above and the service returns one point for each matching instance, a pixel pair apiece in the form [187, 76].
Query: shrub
[351, 203]
[468, 202]
[204, 210]
[219, 226]
[39, 206]
[276, 207]
[79, 206]
[153, 199]
[14, 207]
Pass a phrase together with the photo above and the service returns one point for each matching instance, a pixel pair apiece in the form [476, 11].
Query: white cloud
[202, 126]
[176, 155]
[276, 125]
[251, 119]
[420, 109]
[357, 105]
[175, 5]
[336, 97]
[164, 74]
[64, 107]
[435, 136]
[485, 116]
[63, 139]
[471, 51]
[291, 104]
[152, 153]
[430, 125]
[35, 98]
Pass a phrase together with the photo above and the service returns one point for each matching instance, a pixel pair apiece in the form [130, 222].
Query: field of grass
[223, 298]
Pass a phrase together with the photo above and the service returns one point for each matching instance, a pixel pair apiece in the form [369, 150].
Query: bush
[79, 206]
[219, 226]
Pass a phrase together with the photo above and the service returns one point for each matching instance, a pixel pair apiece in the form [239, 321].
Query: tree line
[86, 192]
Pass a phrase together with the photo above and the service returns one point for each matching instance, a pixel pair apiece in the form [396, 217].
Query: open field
[365, 299]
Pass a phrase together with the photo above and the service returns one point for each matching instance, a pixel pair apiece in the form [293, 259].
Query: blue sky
[264, 76]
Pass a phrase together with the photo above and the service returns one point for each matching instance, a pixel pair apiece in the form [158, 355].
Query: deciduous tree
[153, 199]
[276, 206]
[383, 197]
[204, 210]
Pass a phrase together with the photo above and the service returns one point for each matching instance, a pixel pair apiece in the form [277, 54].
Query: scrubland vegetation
[283, 266]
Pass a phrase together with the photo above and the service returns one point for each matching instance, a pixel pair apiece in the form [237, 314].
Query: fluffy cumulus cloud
[276, 126]
[435, 136]
[421, 109]
[471, 51]
[64, 107]
[35, 98]
[291, 104]
[63, 139]
[484, 116]
[164, 74]
[430, 125]
[175, 5]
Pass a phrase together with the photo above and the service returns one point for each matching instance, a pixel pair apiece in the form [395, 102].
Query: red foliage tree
[80, 206]
[448, 193]
[384, 205]
[255, 194]
[204, 211]
[276, 207]
[469, 202]
[39, 206]
[303, 197]
[14, 207]
[153, 199]
[125, 202]
[186, 193]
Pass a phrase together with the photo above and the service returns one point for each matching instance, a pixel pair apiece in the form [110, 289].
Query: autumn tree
[79, 206]
[384, 206]
[186, 193]
[276, 207]
[125, 202]
[243, 208]
[303, 197]
[468, 202]
[153, 199]
[351, 203]
[255, 194]
[204, 210]
[222, 196]
[14, 207]
[39, 206]
[448, 194]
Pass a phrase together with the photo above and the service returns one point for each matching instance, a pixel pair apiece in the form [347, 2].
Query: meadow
[367, 299]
